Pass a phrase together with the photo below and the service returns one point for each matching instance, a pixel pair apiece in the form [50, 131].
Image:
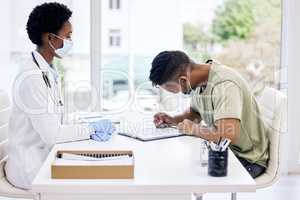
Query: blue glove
[103, 130]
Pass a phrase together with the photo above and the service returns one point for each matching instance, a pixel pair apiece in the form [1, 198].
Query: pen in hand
[164, 125]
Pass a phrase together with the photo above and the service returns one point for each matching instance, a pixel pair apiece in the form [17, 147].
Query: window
[245, 35]
[114, 4]
[114, 38]
[125, 43]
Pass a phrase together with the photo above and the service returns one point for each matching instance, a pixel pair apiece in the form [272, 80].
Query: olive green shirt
[227, 95]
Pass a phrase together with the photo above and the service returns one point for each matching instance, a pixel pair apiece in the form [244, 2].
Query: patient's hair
[166, 65]
[46, 18]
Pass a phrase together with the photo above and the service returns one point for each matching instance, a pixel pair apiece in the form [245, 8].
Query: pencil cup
[217, 163]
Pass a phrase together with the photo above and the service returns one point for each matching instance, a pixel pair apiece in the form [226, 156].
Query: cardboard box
[93, 171]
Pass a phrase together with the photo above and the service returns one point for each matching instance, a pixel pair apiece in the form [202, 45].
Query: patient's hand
[162, 120]
[188, 127]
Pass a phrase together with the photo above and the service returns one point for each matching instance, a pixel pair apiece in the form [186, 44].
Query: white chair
[273, 105]
[6, 189]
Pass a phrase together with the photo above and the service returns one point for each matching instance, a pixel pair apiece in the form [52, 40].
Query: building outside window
[114, 4]
[114, 38]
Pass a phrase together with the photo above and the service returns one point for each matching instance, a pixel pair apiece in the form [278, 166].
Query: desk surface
[161, 167]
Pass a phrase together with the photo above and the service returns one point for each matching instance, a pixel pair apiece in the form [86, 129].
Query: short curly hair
[166, 65]
[46, 18]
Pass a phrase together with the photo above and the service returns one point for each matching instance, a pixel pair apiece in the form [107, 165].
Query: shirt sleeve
[34, 101]
[227, 100]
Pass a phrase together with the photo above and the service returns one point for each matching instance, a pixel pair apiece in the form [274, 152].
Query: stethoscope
[45, 78]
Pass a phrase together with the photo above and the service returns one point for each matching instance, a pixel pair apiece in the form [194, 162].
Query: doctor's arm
[45, 119]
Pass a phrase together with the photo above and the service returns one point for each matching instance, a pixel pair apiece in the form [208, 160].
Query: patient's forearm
[223, 128]
[189, 114]
[208, 134]
[215, 134]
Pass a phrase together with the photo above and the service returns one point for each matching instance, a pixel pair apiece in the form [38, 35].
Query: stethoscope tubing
[46, 80]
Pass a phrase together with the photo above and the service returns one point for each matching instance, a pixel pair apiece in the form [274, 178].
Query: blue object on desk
[103, 130]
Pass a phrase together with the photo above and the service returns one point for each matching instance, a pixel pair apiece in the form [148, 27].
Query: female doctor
[36, 122]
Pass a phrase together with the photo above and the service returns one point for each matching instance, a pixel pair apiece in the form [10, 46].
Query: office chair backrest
[4, 108]
[4, 118]
[273, 105]
[6, 189]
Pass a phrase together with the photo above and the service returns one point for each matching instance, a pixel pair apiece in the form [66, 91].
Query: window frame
[96, 51]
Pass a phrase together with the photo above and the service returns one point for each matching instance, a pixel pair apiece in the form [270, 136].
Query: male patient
[222, 99]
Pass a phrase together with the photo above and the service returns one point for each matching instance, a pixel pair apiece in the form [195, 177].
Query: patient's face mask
[182, 85]
[65, 49]
[172, 86]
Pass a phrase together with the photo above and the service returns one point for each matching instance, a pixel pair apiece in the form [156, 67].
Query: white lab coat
[35, 123]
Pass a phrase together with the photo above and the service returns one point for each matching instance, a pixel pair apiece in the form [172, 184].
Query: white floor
[288, 187]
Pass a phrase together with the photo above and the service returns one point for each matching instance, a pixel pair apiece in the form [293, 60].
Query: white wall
[6, 69]
[19, 13]
[293, 41]
[5, 33]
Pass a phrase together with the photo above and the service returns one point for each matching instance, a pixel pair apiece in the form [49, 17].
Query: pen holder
[217, 163]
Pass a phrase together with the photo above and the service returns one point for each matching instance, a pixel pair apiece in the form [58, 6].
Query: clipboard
[153, 134]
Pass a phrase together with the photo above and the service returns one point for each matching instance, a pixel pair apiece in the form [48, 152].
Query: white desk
[164, 169]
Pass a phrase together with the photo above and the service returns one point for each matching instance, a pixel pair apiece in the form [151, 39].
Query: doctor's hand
[188, 127]
[162, 119]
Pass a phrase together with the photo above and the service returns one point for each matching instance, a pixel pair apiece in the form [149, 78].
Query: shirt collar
[54, 73]
[203, 88]
[41, 61]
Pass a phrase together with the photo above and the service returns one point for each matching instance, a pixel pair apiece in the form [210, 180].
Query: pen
[219, 141]
[166, 126]
[206, 144]
[225, 144]
[213, 146]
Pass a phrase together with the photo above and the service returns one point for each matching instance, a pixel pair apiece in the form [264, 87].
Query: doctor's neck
[47, 54]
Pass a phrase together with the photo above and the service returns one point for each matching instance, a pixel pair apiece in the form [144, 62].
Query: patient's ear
[182, 79]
